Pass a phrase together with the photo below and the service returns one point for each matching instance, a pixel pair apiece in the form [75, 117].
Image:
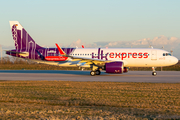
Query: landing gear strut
[95, 70]
[154, 71]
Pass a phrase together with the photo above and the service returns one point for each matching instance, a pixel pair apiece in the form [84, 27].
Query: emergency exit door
[153, 55]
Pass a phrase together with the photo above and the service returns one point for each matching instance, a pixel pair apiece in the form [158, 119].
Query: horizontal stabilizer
[24, 54]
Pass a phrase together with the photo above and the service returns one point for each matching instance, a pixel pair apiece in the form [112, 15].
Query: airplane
[112, 60]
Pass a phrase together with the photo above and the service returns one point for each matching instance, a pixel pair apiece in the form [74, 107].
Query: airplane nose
[175, 60]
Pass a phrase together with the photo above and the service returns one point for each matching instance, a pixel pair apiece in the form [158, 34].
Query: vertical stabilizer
[21, 38]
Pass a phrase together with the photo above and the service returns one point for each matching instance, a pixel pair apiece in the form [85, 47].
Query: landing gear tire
[93, 73]
[154, 73]
[98, 72]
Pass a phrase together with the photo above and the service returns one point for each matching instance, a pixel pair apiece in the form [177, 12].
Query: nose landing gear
[154, 71]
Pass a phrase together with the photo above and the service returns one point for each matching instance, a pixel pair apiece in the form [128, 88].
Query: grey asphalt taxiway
[131, 76]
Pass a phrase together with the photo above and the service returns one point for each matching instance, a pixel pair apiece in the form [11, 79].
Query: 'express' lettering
[134, 55]
[111, 55]
[140, 55]
[119, 55]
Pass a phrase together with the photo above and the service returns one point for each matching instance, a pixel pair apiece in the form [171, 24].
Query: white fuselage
[131, 57]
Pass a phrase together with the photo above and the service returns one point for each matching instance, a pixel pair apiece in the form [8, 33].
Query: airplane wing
[87, 61]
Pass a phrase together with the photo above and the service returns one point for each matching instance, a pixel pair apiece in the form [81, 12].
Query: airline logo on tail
[14, 35]
[21, 38]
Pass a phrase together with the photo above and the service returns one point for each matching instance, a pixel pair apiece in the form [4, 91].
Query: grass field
[88, 100]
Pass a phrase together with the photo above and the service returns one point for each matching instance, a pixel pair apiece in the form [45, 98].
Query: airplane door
[153, 55]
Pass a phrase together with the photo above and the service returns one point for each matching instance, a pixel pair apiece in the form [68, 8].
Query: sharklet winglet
[60, 50]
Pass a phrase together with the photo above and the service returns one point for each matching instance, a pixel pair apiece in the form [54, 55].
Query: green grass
[88, 100]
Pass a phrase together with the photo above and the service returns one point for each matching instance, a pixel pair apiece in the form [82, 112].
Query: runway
[131, 76]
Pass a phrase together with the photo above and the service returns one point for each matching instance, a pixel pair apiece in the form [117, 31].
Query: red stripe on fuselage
[56, 58]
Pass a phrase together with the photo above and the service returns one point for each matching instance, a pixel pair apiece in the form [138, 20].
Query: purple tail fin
[21, 38]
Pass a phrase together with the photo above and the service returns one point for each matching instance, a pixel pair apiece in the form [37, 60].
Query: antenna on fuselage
[171, 52]
[162, 47]
[150, 46]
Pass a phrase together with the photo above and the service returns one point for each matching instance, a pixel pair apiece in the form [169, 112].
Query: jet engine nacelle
[114, 67]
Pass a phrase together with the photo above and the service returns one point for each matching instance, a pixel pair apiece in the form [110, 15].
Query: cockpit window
[166, 54]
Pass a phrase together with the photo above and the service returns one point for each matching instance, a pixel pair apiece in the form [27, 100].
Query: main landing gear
[97, 72]
[92, 73]
[154, 71]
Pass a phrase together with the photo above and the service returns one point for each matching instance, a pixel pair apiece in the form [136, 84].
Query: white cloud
[158, 42]
[169, 43]
[77, 43]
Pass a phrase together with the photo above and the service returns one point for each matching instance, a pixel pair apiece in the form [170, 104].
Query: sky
[94, 23]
